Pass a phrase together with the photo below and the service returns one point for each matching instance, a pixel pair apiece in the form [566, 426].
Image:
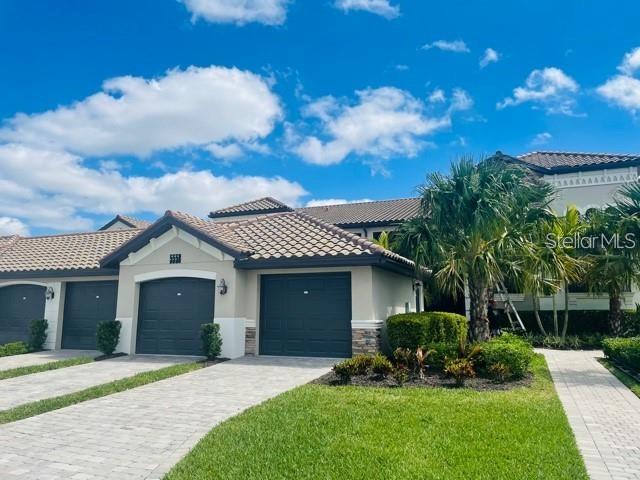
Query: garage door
[306, 315]
[170, 314]
[86, 304]
[19, 304]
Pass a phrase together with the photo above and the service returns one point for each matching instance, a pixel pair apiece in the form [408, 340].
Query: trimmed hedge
[211, 340]
[623, 350]
[108, 335]
[37, 334]
[413, 330]
[509, 351]
[581, 322]
[13, 348]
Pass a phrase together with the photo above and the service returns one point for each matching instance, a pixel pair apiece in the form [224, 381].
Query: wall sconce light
[222, 287]
[49, 293]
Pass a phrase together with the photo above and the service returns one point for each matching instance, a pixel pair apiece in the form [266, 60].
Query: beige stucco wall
[392, 293]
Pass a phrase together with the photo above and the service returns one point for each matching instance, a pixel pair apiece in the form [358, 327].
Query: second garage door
[85, 305]
[306, 315]
[19, 305]
[170, 314]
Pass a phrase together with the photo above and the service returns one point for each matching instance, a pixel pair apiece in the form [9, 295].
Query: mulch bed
[108, 357]
[215, 361]
[430, 380]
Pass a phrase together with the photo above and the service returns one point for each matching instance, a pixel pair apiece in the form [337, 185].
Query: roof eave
[244, 213]
[56, 273]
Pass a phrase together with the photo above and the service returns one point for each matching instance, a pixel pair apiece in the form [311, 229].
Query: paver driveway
[38, 386]
[604, 414]
[39, 358]
[143, 432]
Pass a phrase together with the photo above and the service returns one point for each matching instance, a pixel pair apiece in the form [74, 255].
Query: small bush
[108, 336]
[440, 352]
[509, 350]
[623, 350]
[460, 369]
[500, 372]
[413, 330]
[37, 334]
[401, 374]
[380, 365]
[13, 348]
[211, 340]
[572, 342]
[360, 364]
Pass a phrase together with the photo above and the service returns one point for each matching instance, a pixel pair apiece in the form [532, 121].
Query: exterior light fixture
[222, 287]
[49, 293]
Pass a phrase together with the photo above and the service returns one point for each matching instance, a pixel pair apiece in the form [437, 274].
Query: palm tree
[613, 267]
[471, 220]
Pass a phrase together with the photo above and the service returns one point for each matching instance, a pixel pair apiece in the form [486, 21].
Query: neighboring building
[124, 222]
[281, 283]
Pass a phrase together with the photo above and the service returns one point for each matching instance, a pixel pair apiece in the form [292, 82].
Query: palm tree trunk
[566, 310]
[479, 299]
[536, 313]
[615, 313]
[556, 331]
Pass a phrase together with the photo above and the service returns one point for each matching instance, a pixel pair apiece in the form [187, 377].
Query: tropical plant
[471, 221]
[384, 240]
[613, 268]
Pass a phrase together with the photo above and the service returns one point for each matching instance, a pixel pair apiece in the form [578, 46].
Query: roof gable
[127, 221]
[260, 206]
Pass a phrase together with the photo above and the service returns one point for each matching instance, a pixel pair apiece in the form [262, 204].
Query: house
[278, 281]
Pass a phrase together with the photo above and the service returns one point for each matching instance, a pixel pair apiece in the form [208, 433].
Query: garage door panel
[306, 315]
[19, 305]
[87, 304]
[170, 314]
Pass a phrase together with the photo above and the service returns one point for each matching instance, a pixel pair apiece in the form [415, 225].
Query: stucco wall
[392, 294]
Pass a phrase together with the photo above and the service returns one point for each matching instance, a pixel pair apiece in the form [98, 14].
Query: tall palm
[471, 220]
[613, 267]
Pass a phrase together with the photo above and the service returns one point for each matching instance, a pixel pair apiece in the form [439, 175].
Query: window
[175, 258]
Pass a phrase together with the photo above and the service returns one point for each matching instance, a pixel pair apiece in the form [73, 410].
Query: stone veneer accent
[250, 341]
[366, 340]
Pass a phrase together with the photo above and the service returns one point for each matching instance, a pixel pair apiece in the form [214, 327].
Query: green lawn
[628, 380]
[49, 404]
[320, 432]
[18, 372]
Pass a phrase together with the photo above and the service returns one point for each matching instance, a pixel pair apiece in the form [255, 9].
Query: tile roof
[131, 222]
[76, 251]
[259, 206]
[553, 161]
[367, 213]
[7, 241]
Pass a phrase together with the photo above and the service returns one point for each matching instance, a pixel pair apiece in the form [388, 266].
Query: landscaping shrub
[413, 330]
[37, 334]
[13, 348]
[380, 365]
[581, 322]
[360, 364]
[500, 372]
[460, 369]
[211, 340]
[623, 350]
[509, 350]
[108, 336]
[591, 341]
[441, 351]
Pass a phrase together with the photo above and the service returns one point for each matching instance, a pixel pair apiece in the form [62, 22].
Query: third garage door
[19, 305]
[170, 314]
[306, 315]
[86, 304]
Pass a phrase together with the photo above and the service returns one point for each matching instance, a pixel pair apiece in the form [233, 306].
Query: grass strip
[45, 367]
[42, 406]
[351, 433]
[628, 380]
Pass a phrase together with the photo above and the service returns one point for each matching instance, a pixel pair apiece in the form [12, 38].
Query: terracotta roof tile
[77, 251]
[369, 213]
[259, 206]
[564, 160]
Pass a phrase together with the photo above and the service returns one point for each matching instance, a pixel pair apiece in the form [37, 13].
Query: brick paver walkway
[143, 432]
[39, 358]
[38, 386]
[604, 414]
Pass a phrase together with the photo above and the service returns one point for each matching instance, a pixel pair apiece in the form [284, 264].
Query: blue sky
[141, 106]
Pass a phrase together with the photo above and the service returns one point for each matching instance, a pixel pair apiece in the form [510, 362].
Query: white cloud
[382, 122]
[401, 67]
[55, 189]
[334, 201]
[630, 62]
[541, 138]
[133, 115]
[624, 90]
[549, 88]
[239, 12]
[437, 96]
[12, 226]
[379, 7]
[235, 151]
[490, 56]
[456, 46]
